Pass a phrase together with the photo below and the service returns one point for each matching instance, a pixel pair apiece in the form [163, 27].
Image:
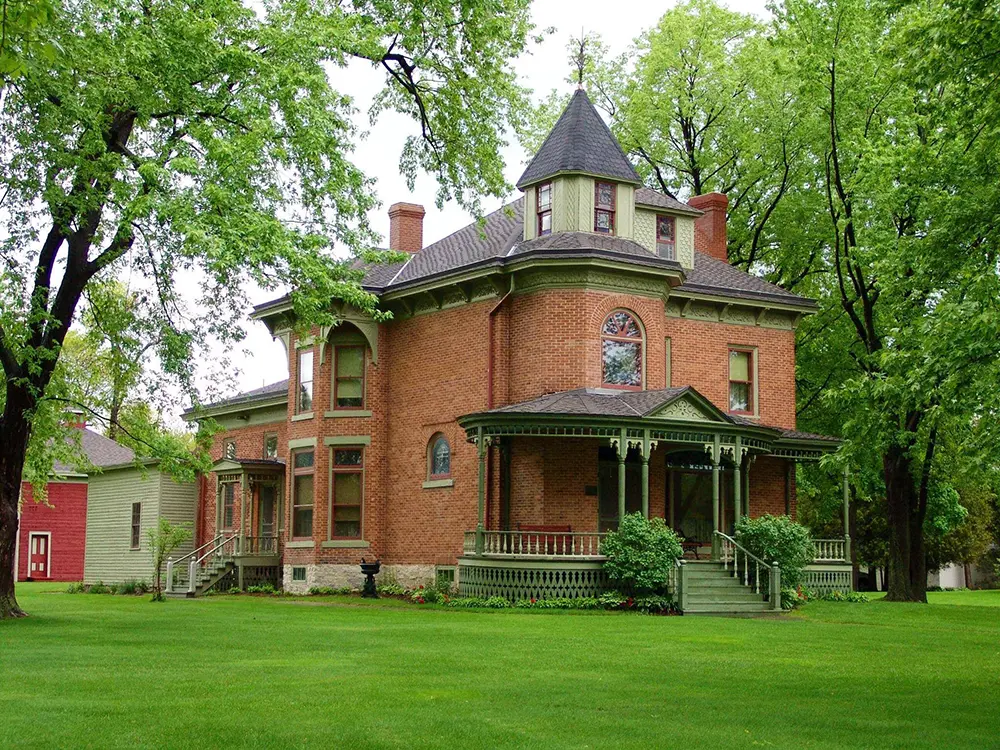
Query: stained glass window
[545, 209]
[665, 237]
[604, 207]
[439, 459]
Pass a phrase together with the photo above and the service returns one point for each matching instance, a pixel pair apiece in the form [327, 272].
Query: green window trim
[345, 544]
[308, 544]
[347, 440]
[302, 417]
[301, 443]
[433, 484]
[347, 413]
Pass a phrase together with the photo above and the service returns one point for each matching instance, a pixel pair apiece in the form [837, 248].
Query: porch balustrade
[536, 544]
[255, 546]
[830, 550]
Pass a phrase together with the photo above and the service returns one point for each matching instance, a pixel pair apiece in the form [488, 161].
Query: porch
[245, 549]
[599, 454]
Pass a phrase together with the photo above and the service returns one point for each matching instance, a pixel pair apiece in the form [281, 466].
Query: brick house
[52, 535]
[586, 352]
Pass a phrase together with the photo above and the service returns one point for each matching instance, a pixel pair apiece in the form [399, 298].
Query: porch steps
[711, 589]
[207, 577]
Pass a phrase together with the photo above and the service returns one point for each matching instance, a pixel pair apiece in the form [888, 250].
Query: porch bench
[546, 534]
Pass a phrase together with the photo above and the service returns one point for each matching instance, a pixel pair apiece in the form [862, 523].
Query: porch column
[715, 497]
[737, 482]
[847, 516]
[480, 524]
[243, 510]
[645, 475]
[622, 450]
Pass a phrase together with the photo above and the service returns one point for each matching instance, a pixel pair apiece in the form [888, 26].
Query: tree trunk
[906, 560]
[13, 447]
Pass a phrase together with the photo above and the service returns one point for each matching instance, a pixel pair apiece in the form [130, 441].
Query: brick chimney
[710, 228]
[75, 418]
[406, 227]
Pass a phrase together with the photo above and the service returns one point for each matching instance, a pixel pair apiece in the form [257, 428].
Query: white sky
[546, 68]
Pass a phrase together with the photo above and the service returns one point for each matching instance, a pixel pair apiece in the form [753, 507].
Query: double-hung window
[665, 237]
[135, 537]
[228, 504]
[604, 207]
[545, 209]
[741, 383]
[304, 392]
[349, 377]
[348, 493]
[303, 491]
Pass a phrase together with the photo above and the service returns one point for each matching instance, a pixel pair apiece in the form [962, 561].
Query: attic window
[545, 209]
[665, 237]
[604, 207]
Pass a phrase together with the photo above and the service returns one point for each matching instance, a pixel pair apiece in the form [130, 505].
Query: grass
[112, 671]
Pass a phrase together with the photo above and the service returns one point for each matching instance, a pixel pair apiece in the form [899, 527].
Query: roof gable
[689, 405]
[580, 141]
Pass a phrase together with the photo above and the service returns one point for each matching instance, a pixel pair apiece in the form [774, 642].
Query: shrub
[428, 595]
[641, 554]
[99, 588]
[857, 597]
[263, 588]
[778, 538]
[76, 588]
[131, 587]
[331, 591]
[390, 589]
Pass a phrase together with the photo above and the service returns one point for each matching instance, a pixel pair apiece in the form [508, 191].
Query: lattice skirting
[823, 579]
[525, 579]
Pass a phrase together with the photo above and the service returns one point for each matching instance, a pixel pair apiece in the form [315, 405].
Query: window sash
[741, 387]
[136, 526]
[604, 210]
[665, 243]
[228, 505]
[348, 388]
[544, 209]
[230, 449]
[304, 374]
[270, 437]
[432, 459]
[347, 493]
[302, 508]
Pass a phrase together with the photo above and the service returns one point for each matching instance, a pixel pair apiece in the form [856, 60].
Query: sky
[546, 68]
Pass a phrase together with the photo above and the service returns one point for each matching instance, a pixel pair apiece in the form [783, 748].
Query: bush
[641, 554]
[331, 591]
[76, 588]
[99, 588]
[857, 597]
[610, 601]
[778, 538]
[390, 589]
[428, 595]
[263, 588]
[131, 587]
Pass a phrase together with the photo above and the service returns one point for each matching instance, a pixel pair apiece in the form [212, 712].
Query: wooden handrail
[547, 544]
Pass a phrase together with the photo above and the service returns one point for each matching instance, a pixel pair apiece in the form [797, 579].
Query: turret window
[604, 207]
[665, 237]
[621, 351]
[545, 209]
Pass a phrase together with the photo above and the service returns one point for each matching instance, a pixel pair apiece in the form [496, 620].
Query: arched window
[438, 457]
[621, 351]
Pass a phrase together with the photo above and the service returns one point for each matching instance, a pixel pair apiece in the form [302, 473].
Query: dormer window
[545, 209]
[604, 207]
[665, 237]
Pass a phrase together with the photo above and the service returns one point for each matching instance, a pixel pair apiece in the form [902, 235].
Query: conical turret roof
[580, 142]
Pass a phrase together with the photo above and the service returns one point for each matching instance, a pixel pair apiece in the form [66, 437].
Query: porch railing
[257, 545]
[830, 550]
[182, 562]
[761, 576]
[536, 544]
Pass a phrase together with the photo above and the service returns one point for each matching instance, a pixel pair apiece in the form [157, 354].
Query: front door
[266, 506]
[38, 557]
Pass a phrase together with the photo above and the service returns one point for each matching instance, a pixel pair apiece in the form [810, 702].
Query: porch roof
[248, 464]
[670, 415]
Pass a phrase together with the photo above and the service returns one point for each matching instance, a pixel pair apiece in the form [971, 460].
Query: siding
[178, 504]
[109, 557]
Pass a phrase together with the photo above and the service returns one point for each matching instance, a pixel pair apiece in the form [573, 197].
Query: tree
[163, 540]
[205, 138]
[22, 33]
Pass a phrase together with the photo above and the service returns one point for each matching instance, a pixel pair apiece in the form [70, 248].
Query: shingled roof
[713, 276]
[97, 451]
[257, 395]
[644, 197]
[580, 142]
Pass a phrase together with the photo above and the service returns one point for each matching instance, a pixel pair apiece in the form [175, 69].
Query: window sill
[346, 544]
[346, 413]
[433, 484]
[302, 417]
[300, 545]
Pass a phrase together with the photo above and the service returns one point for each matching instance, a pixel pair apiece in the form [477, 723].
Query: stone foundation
[339, 576]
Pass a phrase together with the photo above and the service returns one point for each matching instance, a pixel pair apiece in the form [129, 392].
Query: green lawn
[105, 671]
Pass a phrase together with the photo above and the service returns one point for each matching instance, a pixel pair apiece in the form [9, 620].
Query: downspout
[491, 356]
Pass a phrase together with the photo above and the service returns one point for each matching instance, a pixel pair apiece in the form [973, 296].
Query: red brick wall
[65, 517]
[432, 369]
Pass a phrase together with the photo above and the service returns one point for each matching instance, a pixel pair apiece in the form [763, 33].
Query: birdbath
[370, 569]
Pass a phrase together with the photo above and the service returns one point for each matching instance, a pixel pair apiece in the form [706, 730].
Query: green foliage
[163, 539]
[641, 554]
[76, 588]
[857, 597]
[263, 588]
[131, 587]
[778, 539]
[390, 588]
[430, 594]
[99, 588]
[608, 601]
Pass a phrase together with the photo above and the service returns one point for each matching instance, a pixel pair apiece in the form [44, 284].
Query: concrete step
[727, 607]
[723, 596]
